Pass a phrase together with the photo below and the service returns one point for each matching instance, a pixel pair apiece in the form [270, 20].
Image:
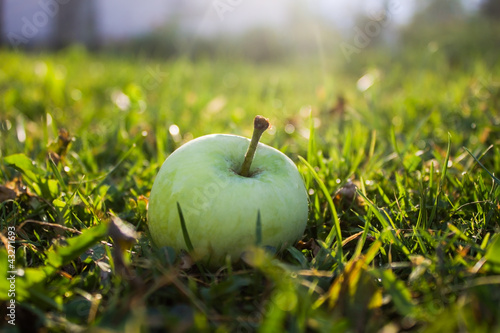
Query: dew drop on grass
[289, 128]
[76, 94]
[305, 111]
[365, 82]
[20, 131]
[271, 130]
[121, 100]
[142, 106]
[316, 122]
[304, 132]
[41, 68]
[397, 121]
[7, 124]
[174, 130]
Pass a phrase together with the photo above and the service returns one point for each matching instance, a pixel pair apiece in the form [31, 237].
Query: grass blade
[441, 180]
[495, 179]
[387, 224]
[185, 233]
[258, 230]
[400, 294]
[336, 222]
[58, 175]
[187, 240]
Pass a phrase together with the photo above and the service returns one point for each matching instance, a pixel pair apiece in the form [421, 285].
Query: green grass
[404, 203]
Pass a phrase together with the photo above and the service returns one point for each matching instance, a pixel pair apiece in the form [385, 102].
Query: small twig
[470, 203]
[47, 224]
[55, 225]
[351, 238]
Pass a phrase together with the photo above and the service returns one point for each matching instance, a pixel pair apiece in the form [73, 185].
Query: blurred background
[181, 65]
[259, 30]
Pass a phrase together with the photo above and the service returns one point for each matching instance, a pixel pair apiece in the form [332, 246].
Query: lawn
[401, 152]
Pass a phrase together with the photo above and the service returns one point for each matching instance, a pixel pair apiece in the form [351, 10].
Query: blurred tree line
[73, 22]
[446, 22]
[458, 34]
[2, 18]
[76, 21]
[491, 8]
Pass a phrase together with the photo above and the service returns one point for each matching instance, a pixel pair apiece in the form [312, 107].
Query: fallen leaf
[347, 196]
[309, 245]
[6, 193]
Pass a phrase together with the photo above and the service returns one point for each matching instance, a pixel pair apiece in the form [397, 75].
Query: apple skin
[220, 207]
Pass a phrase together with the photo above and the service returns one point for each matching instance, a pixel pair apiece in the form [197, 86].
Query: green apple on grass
[222, 182]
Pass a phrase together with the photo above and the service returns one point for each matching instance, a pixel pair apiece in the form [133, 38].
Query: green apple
[221, 190]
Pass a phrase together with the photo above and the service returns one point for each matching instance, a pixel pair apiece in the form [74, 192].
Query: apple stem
[260, 124]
